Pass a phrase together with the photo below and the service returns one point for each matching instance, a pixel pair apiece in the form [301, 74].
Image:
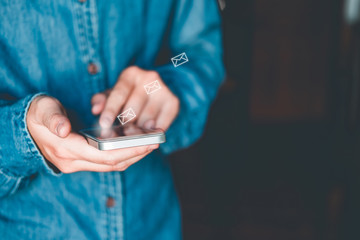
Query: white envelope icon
[179, 59]
[152, 87]
[126, 116]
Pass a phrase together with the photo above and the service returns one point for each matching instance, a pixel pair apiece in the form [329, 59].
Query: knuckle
[54, 118]
[131, 70]
[118, 93]
[118, 168]
[44, 98]
[152, 110]
[48, 100]
[121, 166]
[110, 160]
[110, 163]
[153, 75]
[38, 100]
[176, 101]
[56, 101]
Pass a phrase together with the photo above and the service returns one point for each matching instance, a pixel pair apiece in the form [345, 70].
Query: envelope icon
[126, 116]
[179, 59]
[152, 87]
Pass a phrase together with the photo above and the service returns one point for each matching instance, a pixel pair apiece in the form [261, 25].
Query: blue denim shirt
[46, 47]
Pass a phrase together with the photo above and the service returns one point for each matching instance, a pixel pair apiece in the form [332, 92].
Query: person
[66, 64]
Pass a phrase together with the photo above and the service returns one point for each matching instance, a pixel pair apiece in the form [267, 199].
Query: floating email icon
[152, 87]
[126, 116]
[179, 59]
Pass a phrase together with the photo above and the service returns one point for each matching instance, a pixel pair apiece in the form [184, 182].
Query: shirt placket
[86, 26]
[114, 215]
[87, 29]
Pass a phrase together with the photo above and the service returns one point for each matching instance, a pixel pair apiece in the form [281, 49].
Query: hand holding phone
[68, 151]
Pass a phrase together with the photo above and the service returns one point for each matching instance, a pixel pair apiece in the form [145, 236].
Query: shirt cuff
[29, 159]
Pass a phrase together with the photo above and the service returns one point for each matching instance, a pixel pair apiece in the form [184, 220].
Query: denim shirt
[46, 47]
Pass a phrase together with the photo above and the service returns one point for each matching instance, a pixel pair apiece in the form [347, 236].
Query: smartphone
[122, 137]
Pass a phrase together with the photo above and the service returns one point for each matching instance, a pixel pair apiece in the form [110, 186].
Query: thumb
[56, 121]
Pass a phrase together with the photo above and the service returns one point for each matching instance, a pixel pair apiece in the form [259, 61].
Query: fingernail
[150, 124]
[59, 128]
[105, 122]
[94, 107]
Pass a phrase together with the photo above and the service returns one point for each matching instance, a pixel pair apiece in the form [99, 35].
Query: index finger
[115, 102]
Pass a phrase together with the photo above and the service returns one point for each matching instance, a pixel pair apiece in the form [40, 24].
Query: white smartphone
[122, 137]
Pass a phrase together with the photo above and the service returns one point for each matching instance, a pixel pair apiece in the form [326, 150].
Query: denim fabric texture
[45, 48]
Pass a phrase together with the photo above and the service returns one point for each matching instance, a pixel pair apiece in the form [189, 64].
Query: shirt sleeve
[196, 31]
[19, 155]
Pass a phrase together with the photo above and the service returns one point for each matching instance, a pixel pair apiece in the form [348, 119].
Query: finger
[82, 165]
[109, 157]
[56, 121]
[125, 164]
[150, 111]
[137, 100]
[98, 103]
[166, 116]
[149, 124]
[119, 155]
[107, 133]
[115, 102]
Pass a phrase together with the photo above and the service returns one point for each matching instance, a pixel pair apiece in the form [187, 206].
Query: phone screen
[119, 131]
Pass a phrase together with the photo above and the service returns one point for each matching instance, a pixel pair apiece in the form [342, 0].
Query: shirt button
[33, 176]
[92, 69]
[110, 202]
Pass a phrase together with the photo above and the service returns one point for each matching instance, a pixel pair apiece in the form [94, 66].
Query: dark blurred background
[280, 155]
